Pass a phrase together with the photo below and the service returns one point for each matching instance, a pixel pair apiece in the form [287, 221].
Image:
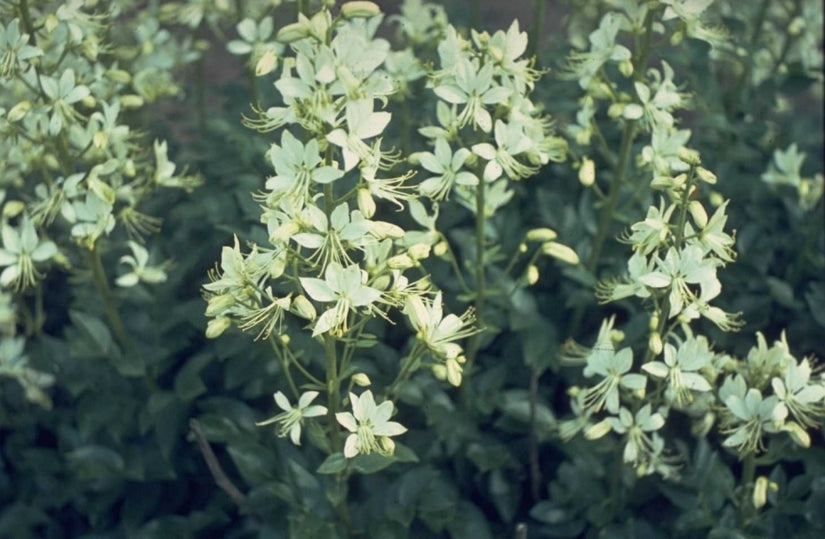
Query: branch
[217, 472]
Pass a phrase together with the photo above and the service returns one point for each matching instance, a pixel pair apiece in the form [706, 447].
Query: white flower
[369, 425]
[290, 419]
[21, 249]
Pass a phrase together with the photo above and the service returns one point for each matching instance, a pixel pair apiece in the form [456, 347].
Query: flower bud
[419, 251]
[13, 208]
[799, 435]
[284, 338]
[760, 492]
[293, 32]
[100, 140]
[51, 161]
[18, 111]
[676, 38]
[219, 304]
[89, 101]
[587, 172]
[560, 252]
[303, 308]
[217, 326]
[440, 249]
[654, 343]
[679, 181]
[365, 202]
[453, 371]
[594, 432]
[402, 261]
[386, 446]
[541, 234]
[689, 156]
[626, 68]
[361, 379]
[283, 233]
[266, 63]
[381, 283]
[697, 211]
[615, 110]
[118, 75]
[50, 22]
[383, 229]
[705, 175]
[131, 101]
[532, 274]
[796, 26]
[356, 9]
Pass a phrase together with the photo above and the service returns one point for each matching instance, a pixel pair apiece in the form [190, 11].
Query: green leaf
[367, 464]
[188, 383]
[255, 462]
[96, 462]
[333, 464]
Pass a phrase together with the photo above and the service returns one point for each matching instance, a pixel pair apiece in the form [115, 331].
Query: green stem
[285, 366]
[748, 475]
[105, 293]
[200, 97]
[538, 29]
[606, 216]
[333, 390]
[480, 284]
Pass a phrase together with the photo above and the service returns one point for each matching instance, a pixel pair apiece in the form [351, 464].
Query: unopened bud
[626, 68]
[594, 432]
[219, 304]
[654, 343]
[440, 249]
[387, 446]
[676, 38]
[266, 63]
[217, 326]
[799, 435]
[615, 110]
[365, 202]
[283, 233]
[383, 229]
[18, 111]
[541, 234]
[679, 181]
[532, 274]
[587, 172]
[293, 32]
[419, 251]
[402, 261]
[50, 23]
[361, 379]
[560, 252]
[131, 101]
[760, 492]
[689, 156]
[352, 10]
[705, 175]
[454, 371]
[100, 140]
[697, 211]
[303, 308]
[381, 283]
[13, 208]
[89, 101]
[51, 161]
[118, 75]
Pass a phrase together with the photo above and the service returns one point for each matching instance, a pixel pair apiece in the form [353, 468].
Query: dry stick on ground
[217, 471]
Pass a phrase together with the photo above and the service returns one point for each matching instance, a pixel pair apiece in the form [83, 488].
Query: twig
[217, 472]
